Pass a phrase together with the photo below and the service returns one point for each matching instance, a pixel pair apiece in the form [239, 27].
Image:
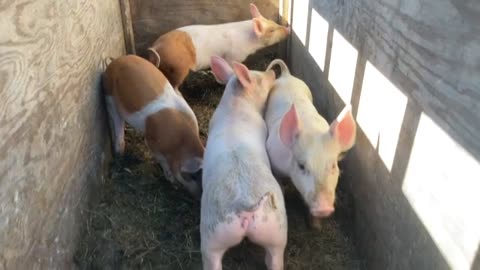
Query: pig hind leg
[175, 73]
[225, 235]
[117, 126]
[267, 232]
[212, 259]
[274, 257]
[179, 76]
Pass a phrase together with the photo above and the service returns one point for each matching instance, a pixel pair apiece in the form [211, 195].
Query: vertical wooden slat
[127, 26]
[286, 18]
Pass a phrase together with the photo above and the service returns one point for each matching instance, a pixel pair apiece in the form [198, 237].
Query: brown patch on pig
[174, 135]
[177, 56]
[134, 82]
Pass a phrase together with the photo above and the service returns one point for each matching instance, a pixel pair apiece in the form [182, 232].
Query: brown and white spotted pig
[191, 47]
[138, 93]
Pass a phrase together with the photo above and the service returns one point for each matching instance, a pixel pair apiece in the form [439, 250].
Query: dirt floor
[141, 221]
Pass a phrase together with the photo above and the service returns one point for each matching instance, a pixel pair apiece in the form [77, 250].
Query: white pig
[136, 92]
[302, 146]
[241, 198]
[190, 47]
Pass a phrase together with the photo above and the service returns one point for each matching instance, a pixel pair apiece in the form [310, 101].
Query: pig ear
[344, 129]
[257, 27]
[289, 127]
[254, 11]
[221, 69]
[243, 75]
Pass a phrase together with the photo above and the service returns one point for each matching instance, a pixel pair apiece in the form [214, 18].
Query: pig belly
[137, 119]
[167, 101]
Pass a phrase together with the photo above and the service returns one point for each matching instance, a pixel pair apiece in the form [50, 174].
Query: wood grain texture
[52, 123]
[431, 52]
[154, 18]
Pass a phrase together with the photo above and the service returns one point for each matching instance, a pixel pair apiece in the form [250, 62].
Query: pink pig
[302, 146]
[241, 198]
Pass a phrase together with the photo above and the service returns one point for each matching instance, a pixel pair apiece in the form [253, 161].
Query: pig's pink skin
[241, 198]
[234, 41]
[261, 227]
[301, 144]
[191, 47]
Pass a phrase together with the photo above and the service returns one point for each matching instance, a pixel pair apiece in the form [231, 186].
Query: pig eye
[334, 168]
[302, 167]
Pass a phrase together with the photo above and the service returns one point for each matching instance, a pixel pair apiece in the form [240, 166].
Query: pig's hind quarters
[266, 223]
[175, 55]
[263, 223]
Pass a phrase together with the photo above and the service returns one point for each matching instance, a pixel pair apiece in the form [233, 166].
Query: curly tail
[283, 66]
[107, 62]
[156, 55]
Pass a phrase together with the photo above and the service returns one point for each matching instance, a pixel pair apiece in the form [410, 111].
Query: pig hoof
[195, 191]
[118, 150]
[169, 177]
[315, 224]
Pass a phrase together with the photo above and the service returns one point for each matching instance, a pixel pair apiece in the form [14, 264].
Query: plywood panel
[52, 123]
[154, 18]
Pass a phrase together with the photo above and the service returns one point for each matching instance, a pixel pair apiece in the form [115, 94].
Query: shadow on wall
[425, 159]
[476, 261]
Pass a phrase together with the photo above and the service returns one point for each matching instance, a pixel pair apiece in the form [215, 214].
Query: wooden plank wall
[52, 123]
[154, 18]
[430, 54]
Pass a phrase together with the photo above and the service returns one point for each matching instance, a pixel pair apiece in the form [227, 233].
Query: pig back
[134, 82]
[234, 181]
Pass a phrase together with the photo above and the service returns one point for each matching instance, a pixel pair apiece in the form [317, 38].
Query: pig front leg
[117, 126]
[176, 177]
[315, 223]
[190, 184]
[167, 172]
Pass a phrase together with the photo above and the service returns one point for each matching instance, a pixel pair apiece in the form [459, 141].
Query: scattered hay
[143, 222]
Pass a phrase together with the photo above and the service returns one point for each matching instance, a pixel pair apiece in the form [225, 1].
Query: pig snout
[322, 208]
[288, 30]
